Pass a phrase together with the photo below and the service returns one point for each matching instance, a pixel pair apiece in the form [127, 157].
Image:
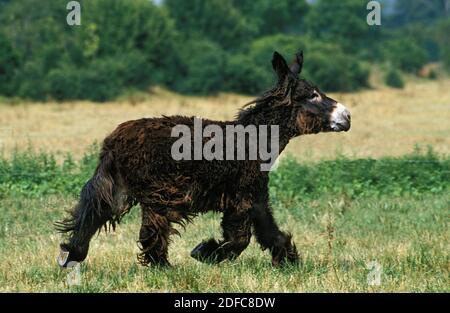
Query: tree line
[208, 46]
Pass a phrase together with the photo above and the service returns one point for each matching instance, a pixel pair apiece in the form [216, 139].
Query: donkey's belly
[182, 195]
[167, 194]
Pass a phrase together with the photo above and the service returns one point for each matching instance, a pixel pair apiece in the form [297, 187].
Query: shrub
[405, 54]
[30, 80]
[214, 20]
[36, 174]
[272, 17]
[64, 83]
[122, 44]
[8, 62]
[341, 22]
[413, 174]
[242, 75]
[127, 27]
[433, 74]
[337, 72]
[325, 64]
[443, 40]
[110, 76]
[394, 79]
[202, 66]
[261, 51]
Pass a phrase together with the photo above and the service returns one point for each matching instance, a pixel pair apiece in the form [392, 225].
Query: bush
[64, 83]
[122, 44]
[182, 45]
[413, 174]
[261, 49]
[242, 75]
[37, 174]
[443, 40]
[271, 17]
[30, 80]
[8, 63]
[394, 79]
[202, 66]
[110, 76]
[337, 72]
[218, 21]
[325, 64]
[341, 22]
[405, 54]
[433, 74]
[133, 27]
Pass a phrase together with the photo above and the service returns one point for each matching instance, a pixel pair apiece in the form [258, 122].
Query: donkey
[136, 167]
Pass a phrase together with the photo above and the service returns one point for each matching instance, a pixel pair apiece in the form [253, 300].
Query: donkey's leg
[87, 217]
[270, 237]
[236, 237]
[154, 238]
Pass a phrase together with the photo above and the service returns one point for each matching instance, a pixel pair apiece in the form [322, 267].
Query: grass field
[343, 213]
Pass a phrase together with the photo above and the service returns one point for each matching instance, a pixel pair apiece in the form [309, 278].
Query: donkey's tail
[95, 208]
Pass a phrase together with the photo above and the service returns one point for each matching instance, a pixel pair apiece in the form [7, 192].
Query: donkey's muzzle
[340, 118]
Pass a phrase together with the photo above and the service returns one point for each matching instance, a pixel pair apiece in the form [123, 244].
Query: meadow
[375, 195]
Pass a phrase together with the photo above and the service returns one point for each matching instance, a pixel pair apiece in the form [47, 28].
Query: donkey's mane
[258, 105]
[280, 94]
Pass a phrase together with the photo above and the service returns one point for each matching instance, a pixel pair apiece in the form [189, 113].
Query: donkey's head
[310, 109]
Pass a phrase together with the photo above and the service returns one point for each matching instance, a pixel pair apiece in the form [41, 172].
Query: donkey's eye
[312, 96]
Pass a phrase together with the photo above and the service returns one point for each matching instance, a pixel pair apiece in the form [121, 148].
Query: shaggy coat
[136, 167]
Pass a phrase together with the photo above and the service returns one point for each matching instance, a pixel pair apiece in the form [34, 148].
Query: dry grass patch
[385, 121]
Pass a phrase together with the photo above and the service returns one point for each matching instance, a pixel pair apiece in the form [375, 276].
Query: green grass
[342, 213]
[34, 174]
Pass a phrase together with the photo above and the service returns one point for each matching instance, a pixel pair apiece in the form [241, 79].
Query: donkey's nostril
[348, 118]
[346, 115]
[340, 118]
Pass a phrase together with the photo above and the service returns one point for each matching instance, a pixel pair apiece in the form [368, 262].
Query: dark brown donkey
[136, 166]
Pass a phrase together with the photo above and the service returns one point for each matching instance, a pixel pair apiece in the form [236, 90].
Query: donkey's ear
[280, 66]
[297, 64]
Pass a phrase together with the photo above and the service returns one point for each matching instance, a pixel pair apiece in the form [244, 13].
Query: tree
[123, 38]
[201, 69]
[325, 63]
[405, 54]
[271, 17]
[394, 79]
[342, 22]
[425, 12]
[242, 75]
[121, 26]
[420, 35]
[443, 40]
[216, 20]
[8, 63]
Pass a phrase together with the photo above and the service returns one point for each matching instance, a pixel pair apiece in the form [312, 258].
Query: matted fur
[136, 166]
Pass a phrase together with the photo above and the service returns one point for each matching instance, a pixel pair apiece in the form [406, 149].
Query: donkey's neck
[280, 117]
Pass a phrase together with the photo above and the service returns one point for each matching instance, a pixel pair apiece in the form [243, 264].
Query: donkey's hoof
[286, 256]
[63, 259]
[204, 252]
[286, 262]
[70, 257]
[148, 261]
